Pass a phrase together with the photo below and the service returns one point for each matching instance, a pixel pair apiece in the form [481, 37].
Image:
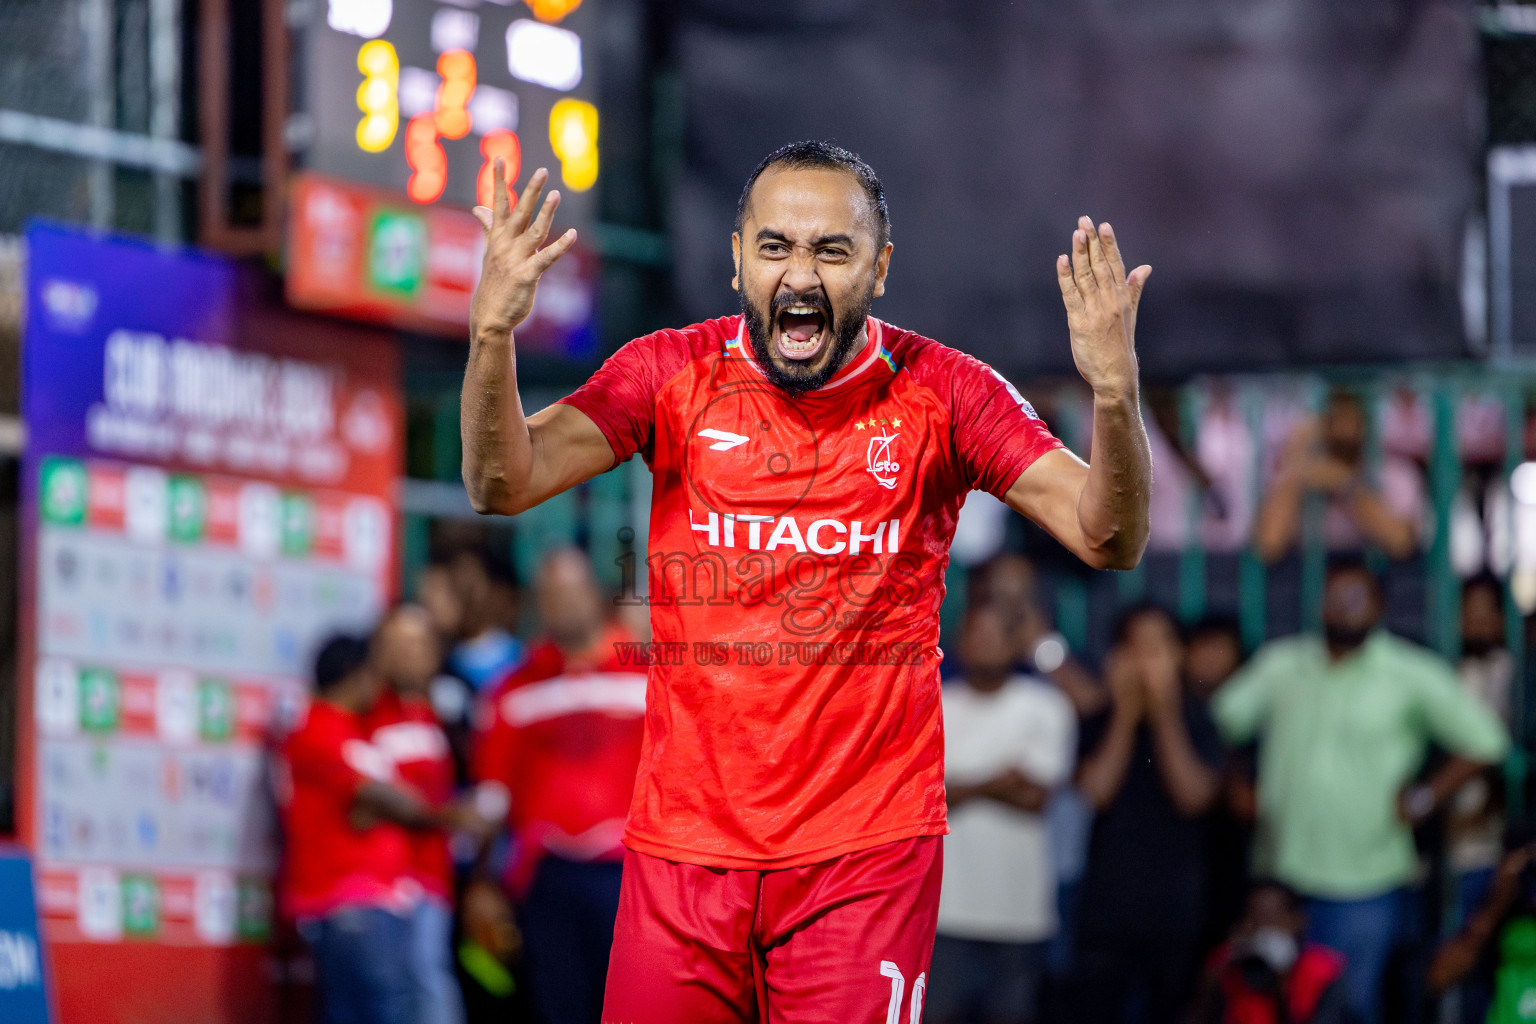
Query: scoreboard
[404, 105]
[419, 96]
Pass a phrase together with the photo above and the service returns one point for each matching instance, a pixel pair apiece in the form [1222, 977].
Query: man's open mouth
[802, 332]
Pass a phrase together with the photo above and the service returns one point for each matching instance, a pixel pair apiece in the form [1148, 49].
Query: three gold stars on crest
[878, 421]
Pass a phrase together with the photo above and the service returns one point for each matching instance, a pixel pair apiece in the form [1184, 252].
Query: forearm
[1113, 507]
[1192, 786]
[1394, 534]
[1103, 773]
[1456, 958]
[1087, 694]
[379, 801]
[1454, 774]
[498, 448]
[1279, 520]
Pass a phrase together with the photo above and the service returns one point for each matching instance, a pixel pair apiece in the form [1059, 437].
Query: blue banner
[23, 965]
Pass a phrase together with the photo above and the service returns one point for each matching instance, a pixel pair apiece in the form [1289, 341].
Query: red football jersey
[328, 864]
[796, 565]
[408, 733]
[563, 738]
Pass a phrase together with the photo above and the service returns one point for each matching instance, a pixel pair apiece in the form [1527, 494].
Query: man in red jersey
[404, 727]
[809, 465]
[561, 735]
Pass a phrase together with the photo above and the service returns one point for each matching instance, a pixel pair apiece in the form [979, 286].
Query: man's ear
[736, 260]
[882, 267]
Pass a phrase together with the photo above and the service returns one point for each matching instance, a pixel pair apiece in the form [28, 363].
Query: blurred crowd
[1179, 830]
[453, 801]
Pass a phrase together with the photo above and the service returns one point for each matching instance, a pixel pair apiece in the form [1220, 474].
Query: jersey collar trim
[874, 351]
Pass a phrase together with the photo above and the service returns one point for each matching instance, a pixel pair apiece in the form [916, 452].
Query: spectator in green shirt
[1343, 721]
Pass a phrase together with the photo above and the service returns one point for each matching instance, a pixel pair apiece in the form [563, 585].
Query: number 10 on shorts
[898, 989]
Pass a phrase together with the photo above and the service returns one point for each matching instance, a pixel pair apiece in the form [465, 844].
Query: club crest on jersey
[881, 459]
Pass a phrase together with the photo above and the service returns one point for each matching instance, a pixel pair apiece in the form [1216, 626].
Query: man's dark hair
[1128, 617]
[1292, 898]
[1484, 580]
[1353, 565]
[1215, 624]
[816, 154]
[339, 657]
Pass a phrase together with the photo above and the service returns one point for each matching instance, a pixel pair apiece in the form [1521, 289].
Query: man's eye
[774, 249]
[832, 255]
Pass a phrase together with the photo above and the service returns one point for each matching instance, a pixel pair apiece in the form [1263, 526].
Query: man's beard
[1346, 638]
[797, 379]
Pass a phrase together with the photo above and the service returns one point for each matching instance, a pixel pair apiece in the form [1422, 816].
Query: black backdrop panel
[1297, 172]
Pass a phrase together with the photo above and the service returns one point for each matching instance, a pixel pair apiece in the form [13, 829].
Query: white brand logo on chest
[881, 459]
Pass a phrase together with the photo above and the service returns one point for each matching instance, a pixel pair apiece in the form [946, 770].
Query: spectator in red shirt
[348, 822]
[404, 726]
[1267, 973]
[562, 734]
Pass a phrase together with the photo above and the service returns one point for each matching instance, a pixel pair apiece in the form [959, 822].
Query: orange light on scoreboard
[552, 10]
[429, 164]
[503, 144]
[573, 123]
[457, 68]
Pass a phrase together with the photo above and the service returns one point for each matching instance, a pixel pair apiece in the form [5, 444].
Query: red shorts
[844, 940]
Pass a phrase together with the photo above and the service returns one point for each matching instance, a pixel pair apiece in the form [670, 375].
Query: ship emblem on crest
[881, 458]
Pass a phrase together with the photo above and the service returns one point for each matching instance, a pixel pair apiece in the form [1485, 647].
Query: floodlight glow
[1522, 483]
[367, 18]
[543, 54]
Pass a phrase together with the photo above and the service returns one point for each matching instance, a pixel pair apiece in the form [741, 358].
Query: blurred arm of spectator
[1239, 790]
[1058, 664]
[1191, 784]
[376, 800]
[1326, 456]
[1242, 705]
[1465, 727]
[1103, 772]
[1458, 955]
[1011, 787]
[486, 918]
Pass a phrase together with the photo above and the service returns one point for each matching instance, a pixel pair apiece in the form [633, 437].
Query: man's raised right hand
[509, 275]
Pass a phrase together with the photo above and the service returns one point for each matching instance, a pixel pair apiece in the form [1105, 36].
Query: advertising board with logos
[208, 490]
[369, 254]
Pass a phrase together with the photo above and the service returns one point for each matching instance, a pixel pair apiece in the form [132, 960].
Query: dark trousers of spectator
[1366, 931]
[1148, 980]
[362, 966]
[567, 922]
[973, 981]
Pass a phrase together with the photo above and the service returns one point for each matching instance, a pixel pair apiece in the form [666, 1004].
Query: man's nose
[801, 276]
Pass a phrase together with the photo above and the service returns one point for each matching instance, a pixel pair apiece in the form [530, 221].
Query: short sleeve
[1458, 721]
[997, 433]
[320, 761]
[1243, 702]
[495, 743]
[621, 396]
[1049, 731]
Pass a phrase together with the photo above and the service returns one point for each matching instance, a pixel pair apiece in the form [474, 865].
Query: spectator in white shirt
[1010, 740]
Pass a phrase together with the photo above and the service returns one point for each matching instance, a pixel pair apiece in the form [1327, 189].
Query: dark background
[1298, 173]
